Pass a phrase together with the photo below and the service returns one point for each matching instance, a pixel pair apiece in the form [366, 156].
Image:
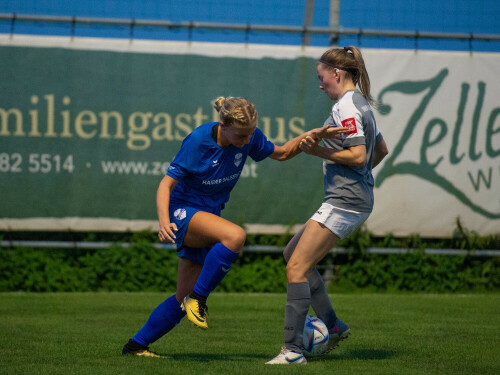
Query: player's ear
[337, 73]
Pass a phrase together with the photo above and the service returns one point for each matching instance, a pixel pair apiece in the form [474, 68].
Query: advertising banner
[88, 128]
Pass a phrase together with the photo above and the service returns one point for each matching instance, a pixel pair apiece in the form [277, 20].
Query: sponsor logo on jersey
[215, 163]
[180, 214]
[350, 123]
[237, 159]
[221, 180]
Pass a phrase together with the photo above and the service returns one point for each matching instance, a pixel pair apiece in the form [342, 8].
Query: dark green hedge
[139, 268]
[143, 268]
[417, 272]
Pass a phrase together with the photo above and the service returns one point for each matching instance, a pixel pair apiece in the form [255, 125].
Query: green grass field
[83, 333]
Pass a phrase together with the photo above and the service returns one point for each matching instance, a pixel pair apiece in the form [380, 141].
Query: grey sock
[320, 301]
[298, 299]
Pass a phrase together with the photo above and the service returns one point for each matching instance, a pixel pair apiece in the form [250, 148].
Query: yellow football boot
[196, 311]
[134, 348]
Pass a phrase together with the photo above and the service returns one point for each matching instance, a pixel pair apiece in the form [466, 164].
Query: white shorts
[340, 221]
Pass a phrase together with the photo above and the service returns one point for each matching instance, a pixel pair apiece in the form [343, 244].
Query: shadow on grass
[359, 354]
[208, 357]
[363, 354]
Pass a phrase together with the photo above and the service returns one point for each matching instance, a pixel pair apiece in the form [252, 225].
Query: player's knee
[236, 239]
[295, 272]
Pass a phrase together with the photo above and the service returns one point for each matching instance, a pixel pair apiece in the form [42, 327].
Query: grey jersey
[348, 187]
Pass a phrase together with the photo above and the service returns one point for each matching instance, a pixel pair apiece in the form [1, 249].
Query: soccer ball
[315, 336]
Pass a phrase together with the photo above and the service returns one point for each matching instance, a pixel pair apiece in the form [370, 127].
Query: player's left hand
[309, 145]
[166, 232]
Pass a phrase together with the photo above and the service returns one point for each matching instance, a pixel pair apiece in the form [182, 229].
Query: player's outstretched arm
[292, 147]
[166, 232]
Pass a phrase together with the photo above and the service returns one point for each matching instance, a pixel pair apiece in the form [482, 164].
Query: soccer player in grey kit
[348, 182]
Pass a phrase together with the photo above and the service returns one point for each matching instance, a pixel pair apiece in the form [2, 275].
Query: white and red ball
[315, 336]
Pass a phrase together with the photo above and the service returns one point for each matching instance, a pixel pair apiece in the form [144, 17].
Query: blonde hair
[239, 112]
[350, 60]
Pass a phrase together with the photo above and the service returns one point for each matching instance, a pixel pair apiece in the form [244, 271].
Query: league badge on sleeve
[350, 123]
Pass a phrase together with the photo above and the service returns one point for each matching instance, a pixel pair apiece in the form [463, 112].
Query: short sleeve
[260, 146]
[351, 118]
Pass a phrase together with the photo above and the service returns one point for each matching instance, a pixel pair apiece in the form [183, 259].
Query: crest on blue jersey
[237, 159]
[180, 214]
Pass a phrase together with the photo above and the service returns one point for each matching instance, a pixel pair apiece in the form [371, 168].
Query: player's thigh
[206, 229]
[187, 275]
[314, 244]
[292, 244]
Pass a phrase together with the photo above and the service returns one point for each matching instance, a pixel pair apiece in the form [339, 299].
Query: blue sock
[217, 263]
[165, 317]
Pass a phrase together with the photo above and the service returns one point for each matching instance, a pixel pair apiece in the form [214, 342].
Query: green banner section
[89, 134]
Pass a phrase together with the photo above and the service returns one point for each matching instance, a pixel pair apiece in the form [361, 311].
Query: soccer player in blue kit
[348, 183]
[189, 203]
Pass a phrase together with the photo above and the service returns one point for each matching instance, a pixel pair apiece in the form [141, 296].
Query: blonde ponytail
[239, 112]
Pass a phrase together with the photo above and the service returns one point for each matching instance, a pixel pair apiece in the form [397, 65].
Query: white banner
[440, 115]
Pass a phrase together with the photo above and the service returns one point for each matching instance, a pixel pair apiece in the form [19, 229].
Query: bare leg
[292, 244]
[226, 240]
[320, 301]
[187, 274]
[206, 229]
[313, 244]
[168, 314]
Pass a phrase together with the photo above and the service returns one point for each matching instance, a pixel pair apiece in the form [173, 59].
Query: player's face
[328, 81]
[238, 137]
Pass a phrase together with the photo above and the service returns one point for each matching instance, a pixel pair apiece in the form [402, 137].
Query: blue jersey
[206, 172]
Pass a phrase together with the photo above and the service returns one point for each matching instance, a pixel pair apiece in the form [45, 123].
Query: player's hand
[316, 134]
[330, 132]
[309, 145]
[166, 233]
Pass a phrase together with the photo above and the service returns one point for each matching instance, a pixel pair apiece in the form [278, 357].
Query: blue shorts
[181, 216]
